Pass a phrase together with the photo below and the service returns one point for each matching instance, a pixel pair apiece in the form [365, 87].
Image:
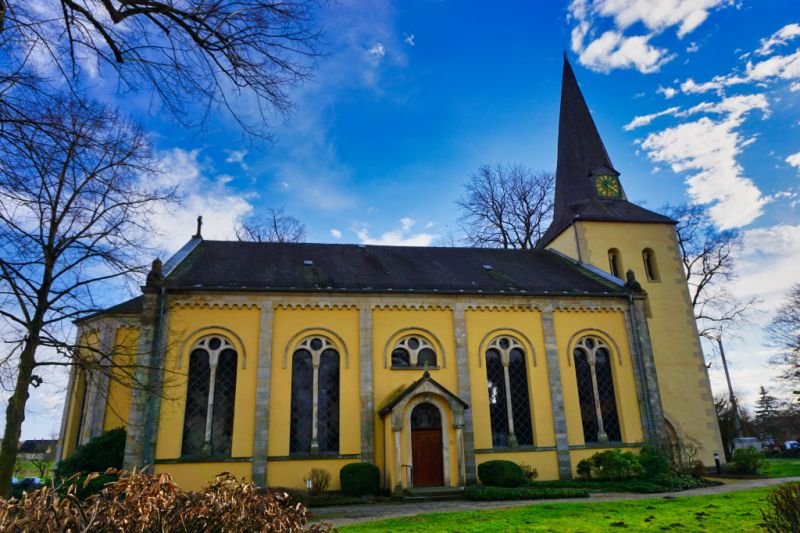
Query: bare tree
[506, 206]
[187, 52]
[74, 203]
[709, 263]
[274, 227]
[783, 333]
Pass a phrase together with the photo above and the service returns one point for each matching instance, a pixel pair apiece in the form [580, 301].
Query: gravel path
[353, 514]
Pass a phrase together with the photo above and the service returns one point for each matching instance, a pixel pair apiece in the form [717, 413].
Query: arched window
[650, 267]
[598, 402]
[315, 397]
[509, 404]
[210, 398]
[413, 351]
[615, 263]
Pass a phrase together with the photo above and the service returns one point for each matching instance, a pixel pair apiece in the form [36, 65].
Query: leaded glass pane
[586, 396]
[302, 402]
[520, 401]
[400, 357]
[498, 412]
[605, 390]
[224, 399]
[194, 419]
[328, 402]
[426, 416]
[426, 357]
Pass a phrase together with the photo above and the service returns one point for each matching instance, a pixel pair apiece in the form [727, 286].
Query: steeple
[587, 184]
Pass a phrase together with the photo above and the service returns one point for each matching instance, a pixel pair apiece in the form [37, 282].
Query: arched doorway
[426, 446]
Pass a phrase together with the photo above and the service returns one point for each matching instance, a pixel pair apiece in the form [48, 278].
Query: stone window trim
[221, 331]
[504, 344]
[422, 333]
[304, 334]
[615, 265]
[413, 346]
[526, 344]
[590, 345]
[205, 343]
[611, 344]
[307, 344]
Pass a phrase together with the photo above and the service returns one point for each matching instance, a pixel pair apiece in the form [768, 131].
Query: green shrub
[521, 493]
[655, 464]
[748, 461]
[501, 474]
[530, 472]
[611, 464]
[783, 513]
[85, 488]
[360, 479]
[584, 469]
[98, 455]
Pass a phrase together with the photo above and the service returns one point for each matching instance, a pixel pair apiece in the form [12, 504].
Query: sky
[696, 100]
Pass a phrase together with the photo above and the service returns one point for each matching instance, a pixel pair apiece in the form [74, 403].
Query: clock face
[607, 186]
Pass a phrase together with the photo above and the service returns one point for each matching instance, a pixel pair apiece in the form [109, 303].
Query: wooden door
[426, 446]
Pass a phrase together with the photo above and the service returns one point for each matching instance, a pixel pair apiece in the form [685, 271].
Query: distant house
[37, 449]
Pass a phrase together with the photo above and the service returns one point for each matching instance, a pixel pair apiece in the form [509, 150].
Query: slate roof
[232, 265]
[128, 307]
[581, 153]
[37, 446]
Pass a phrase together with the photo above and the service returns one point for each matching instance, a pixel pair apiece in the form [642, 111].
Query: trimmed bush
[611, 464]
[521, 493]
[360, 479]
[98, 455]
[655, 463]
[501, 474]
[748, 461]
[783, 513]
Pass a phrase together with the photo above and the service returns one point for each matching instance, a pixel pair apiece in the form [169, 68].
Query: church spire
[587, 185]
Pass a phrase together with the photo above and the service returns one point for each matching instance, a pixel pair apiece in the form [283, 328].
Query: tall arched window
[314, 424]
[413, 351]
[210, 398]
[650, 267]
[509, 403]
[615, 263]
[598, 402]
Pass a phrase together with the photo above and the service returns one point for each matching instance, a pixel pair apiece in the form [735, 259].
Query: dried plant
[143, 503]
[320, 479]
[783, 514]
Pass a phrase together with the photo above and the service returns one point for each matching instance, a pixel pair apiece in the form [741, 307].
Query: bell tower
[594, 223]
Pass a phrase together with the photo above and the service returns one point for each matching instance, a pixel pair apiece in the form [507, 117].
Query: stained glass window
[505, 364]
[328, 410]
[598, 402]
[498, 410]
[413, 351]
[302, 402]
[605, 391]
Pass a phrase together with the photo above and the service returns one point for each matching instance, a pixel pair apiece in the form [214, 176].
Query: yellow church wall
[291, 326]
[545, 463]
[609, 325]
[292, 474]
[188, 324]
[91, 340]
[526, 326]
[195, 476]
[118, 402]
[682, 376]
[388, 326]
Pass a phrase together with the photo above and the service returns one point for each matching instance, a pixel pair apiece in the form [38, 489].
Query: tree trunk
[15, 413]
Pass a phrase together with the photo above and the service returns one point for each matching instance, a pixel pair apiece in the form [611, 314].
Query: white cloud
[377, 50]
[692, 48]
[237, 157]
[795, 86]
[409, 39]
[614, 49]
[644, 120]
[794, 160]
[397, 237]
[708, 149]
[779, 38]
[200, 194]
[335, 233]
[668, 92]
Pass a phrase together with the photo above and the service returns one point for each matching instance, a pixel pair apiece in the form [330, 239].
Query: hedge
[501, 474]
[521, 493]
[360, 479]
[98, 455]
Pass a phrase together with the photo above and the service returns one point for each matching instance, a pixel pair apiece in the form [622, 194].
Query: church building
[269, 359]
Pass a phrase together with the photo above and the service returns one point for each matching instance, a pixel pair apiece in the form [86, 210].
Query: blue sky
[696, 100]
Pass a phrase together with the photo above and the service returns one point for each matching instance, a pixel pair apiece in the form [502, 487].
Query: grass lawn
[737, 511]
[783, 467]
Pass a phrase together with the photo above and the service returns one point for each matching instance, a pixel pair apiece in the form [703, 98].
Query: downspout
[642, 373]
[577, 240]
[155, 356]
